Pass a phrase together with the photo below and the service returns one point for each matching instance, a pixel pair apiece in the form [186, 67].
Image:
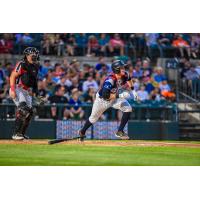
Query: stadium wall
[140, 130]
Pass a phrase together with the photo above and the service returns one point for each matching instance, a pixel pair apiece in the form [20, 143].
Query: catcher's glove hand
[39, 100]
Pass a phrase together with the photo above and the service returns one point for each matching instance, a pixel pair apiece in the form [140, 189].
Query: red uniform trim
[18, 68]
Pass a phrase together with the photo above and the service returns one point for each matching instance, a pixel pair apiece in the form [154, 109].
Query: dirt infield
[110, 143]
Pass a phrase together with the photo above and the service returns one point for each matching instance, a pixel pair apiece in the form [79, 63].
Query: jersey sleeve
[108, 84]
[18, 68]
[128, 77]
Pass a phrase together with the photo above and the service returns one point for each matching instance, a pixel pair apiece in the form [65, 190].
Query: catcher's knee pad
[23, 111]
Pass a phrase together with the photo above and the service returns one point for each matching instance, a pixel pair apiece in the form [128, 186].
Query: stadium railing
[148, 110]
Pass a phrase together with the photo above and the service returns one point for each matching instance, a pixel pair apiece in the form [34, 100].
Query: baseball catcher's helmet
[32, 50]
[116, 65]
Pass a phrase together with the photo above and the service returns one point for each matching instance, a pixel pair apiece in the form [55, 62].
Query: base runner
[108, 96]
[23, 81]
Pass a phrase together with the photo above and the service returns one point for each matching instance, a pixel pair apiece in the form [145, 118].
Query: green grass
[85, 155]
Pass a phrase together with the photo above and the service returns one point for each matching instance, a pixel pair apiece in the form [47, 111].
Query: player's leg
[31, 112]
[22, 114]
[99, 107]
[125, 107]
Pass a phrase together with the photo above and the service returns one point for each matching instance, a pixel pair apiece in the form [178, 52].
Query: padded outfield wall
[140, 130]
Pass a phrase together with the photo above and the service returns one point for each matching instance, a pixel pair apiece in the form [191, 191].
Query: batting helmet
[116, 65]
[31, 50]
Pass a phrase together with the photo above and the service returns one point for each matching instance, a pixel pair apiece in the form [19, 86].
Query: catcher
[23, 85]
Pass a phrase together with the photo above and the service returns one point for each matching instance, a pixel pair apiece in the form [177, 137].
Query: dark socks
[124, 120]
[86, 126]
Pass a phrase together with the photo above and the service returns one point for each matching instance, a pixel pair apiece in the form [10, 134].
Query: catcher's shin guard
[23, 113]
[26, 124]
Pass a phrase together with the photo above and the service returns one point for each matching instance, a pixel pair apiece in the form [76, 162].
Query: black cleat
[81, 135]
[121, 134]
[26, 137]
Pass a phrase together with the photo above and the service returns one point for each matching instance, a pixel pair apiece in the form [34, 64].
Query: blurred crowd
[105, 44]
[74, 84]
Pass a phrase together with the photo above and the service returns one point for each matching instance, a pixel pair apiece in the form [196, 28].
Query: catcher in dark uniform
[23, 85]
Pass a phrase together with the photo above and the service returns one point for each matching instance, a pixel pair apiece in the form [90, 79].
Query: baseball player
[108, 96]
[23, 84]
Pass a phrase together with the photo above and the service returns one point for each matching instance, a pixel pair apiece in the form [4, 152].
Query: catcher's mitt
[39, 100]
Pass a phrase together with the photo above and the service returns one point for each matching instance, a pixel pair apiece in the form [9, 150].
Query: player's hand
[135, 95]
[112, 96]
[12, 94]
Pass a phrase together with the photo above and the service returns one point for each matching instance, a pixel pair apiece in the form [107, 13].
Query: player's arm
[106, 91]
[13, 78]
[129, 81]
[130, 84]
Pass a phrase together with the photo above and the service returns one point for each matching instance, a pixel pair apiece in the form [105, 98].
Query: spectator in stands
[142, 94]
[70, 44]
[65, 81]
[57, 73]
[69, 41]
[2, 78]
[195, 45]
[65, 64]
[166, 90]
[155, 94]
[130, 68]
[103, 42]
[3, 92]
[26, 39]
[101, 73]
[84, 72]
[159, 75]
[92, 46]
[146, 70]
[152, 43]
[182, 45]
[116, 45]
[59, 45]
[74, 68]
[42, 90]
[89, 96]
[45, 45]
[137, 72]
[163, 40]
[45, 68]
[56, 99]
[81, 44]
[76, 111]
[90, 83]
[191, 74]
[101, 61]
[149, 86]
[6, 44]
[7, 69]
[132, 42]
[136, 84]
[197, 69]
[75, 84]
[185, 66]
